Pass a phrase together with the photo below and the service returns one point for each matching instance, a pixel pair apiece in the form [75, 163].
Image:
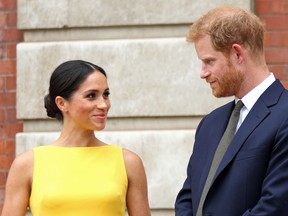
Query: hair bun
[51, 108]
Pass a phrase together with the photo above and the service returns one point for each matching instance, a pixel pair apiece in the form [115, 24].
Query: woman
[77, 174]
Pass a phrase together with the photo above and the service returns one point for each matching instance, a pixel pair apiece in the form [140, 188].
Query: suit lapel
[253, 120]
[256, 115]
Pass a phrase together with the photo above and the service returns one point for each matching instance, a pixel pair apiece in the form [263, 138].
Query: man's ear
[61, 103]
[237, 53]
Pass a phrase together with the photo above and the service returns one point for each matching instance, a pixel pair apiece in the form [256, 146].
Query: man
[250, 178]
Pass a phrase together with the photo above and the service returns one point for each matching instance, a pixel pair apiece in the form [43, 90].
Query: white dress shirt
[250, 99]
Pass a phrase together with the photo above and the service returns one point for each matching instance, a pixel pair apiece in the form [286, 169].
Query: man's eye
[209, 62]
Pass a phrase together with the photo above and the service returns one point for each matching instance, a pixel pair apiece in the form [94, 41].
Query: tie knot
[238, 105]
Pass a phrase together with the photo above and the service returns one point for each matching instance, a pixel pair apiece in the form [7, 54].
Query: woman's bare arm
[137, 195]
[18, 186]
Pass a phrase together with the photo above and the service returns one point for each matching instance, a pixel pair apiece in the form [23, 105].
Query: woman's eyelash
[91, 95]
[106, 94]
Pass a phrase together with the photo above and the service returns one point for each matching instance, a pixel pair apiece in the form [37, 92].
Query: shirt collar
[250, 99]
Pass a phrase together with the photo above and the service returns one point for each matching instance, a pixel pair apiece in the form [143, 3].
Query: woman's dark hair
[65, 80]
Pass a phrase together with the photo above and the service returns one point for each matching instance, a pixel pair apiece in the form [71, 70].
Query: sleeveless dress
[78, 181]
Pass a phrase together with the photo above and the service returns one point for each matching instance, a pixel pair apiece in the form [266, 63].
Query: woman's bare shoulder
[130, 156]
[133, 162]
[23, 161]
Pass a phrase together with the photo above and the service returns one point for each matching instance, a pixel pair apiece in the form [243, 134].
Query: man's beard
[229, 84]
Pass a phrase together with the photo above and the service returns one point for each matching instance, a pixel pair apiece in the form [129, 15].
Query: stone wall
[156, 93]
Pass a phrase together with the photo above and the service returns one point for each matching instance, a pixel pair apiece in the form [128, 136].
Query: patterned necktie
[221, 149]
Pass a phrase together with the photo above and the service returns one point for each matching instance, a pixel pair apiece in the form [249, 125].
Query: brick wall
[275, 15]
[9, 125]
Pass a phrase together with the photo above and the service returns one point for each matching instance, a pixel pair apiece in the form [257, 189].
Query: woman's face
[89, 104]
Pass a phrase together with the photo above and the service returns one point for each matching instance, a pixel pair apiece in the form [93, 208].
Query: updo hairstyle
[64, 81]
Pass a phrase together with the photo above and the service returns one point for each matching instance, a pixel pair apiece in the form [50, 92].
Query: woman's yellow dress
[78, 181]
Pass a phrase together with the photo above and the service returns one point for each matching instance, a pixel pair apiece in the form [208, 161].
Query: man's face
[217, 69]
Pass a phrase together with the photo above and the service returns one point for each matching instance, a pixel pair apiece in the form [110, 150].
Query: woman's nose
[102, 104]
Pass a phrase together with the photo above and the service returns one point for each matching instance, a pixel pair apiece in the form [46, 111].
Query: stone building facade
[156, 93]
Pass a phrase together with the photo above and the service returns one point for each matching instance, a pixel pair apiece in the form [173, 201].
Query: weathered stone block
[152, 77]
[89, 13]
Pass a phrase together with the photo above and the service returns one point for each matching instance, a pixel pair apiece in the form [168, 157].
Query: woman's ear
[238, 53]
[61, 103]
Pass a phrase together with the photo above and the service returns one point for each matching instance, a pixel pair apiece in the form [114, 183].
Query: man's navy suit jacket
[252, 178]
